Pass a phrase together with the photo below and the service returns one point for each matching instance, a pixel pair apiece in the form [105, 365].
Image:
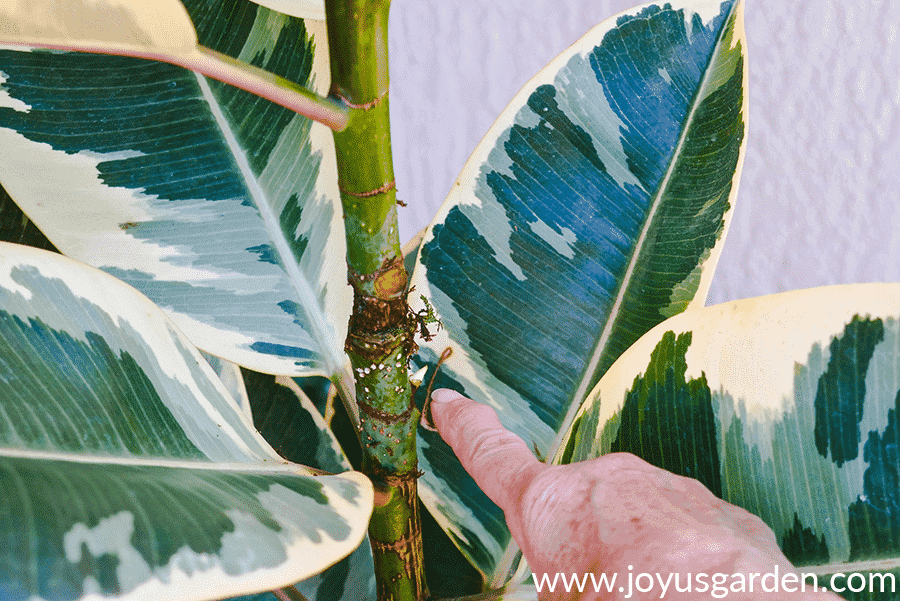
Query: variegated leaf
[288, 413]
[305, 9]
[149, 26]
[288, 419]
[350, 579]
[786, 405]
[127, 470]
[593, 209]
[151, 29]
[230, 375]
[220, 206]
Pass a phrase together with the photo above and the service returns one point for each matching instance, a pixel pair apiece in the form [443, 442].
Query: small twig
[427, 420]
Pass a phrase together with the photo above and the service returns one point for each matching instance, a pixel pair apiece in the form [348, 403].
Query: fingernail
[444, 395]
[438, 397]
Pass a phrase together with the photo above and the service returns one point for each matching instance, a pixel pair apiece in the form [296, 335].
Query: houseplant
[198, 187]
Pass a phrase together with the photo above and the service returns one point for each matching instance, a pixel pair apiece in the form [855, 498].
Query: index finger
[499, 461]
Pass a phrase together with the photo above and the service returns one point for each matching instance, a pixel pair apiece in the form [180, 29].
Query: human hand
[615, 514]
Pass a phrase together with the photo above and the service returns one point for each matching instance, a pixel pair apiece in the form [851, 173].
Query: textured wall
[820, 195]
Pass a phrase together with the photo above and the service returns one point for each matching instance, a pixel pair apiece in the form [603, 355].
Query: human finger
[499, 461]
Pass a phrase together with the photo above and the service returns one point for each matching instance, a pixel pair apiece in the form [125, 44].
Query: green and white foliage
[593, 209]
[786, 405]
[220, 206]
[153, 27]
[286, 416]
[230, 375]
[127, 469]
[305, 9]
[289, 420]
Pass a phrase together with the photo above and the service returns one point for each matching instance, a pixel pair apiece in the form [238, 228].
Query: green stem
[380, 337]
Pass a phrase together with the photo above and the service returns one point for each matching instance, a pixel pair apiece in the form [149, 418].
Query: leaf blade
[107, 406]
[144, 143]
[306, 9]
[593, 209]
[765, 370]
[290, 422]
[152, 26]
[114, 540]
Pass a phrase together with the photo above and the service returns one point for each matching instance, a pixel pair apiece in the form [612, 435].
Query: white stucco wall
[820, 196]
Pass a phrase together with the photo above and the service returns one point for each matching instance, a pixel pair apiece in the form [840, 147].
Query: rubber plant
[218, 174]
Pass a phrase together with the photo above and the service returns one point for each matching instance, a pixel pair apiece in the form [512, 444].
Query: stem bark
[382, 326]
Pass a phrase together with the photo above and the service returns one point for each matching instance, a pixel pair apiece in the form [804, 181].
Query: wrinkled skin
[609, 514]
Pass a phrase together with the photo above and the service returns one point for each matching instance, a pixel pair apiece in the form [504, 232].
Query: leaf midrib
[872, 565]
[213, 466]
[305, 295]
[582, 390]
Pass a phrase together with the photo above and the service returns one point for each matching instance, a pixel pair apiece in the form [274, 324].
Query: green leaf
[127, 470]
[158, 30]
[593, 209]
[351, 579]
[288, 419]
[220, 206]
[786, 405]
